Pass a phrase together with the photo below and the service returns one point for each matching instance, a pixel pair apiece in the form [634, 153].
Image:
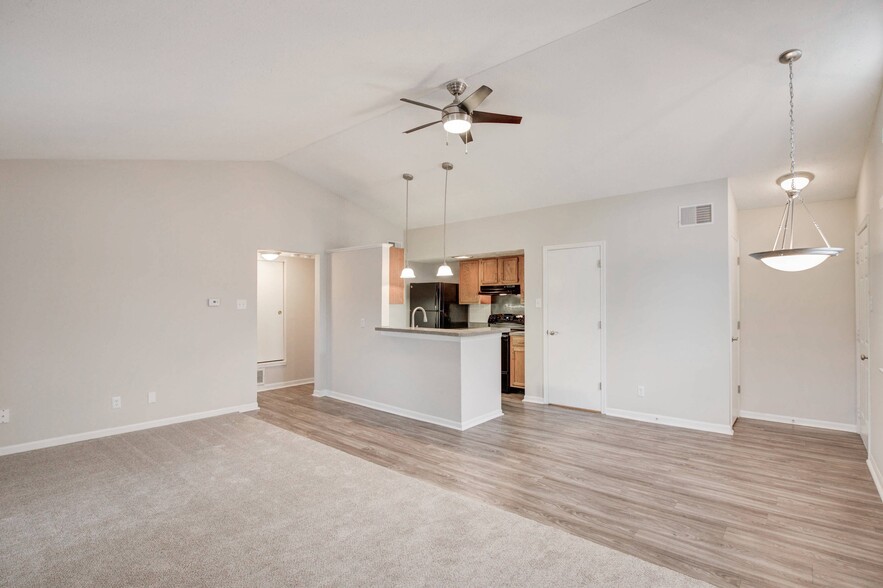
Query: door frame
[284, 361]
[736, 371]
[865, 225]
[602, 247]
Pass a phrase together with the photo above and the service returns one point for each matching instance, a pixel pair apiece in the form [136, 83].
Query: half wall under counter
[448, 377]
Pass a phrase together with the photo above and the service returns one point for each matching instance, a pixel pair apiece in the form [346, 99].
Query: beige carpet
[233, 501]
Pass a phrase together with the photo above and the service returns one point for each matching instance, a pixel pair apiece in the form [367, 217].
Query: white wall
[300, 318]
[869, 204]
[667, 292]
[106, 267]
[798, 329]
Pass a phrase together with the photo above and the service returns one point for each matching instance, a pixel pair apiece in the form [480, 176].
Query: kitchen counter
[469, 332]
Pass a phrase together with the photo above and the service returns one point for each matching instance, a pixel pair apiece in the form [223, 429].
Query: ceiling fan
[459, 116]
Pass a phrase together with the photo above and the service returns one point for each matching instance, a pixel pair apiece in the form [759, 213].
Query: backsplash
[507, 305]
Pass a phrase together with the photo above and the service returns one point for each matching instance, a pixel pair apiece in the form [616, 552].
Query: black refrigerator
[441, 301]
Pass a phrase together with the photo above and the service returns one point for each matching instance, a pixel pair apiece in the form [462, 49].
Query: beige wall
[869, 204]
[798, 329]
[667, 293]
[106, 268]
[300, 306]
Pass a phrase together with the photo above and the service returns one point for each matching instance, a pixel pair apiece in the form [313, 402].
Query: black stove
[512, 321]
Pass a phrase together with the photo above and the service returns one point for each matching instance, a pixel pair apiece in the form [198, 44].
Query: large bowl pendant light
[407, 272]
[444, 270]
[784, 256]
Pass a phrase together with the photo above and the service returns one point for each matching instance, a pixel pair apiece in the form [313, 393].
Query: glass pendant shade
[444, 271]
[796, 260]
[407, 274]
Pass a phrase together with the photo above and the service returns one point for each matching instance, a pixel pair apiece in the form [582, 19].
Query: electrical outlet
[641, 391]
[151, 397]
[539, 303]
[4, 415]
[362, 323]
[116, 401]
[241, 304]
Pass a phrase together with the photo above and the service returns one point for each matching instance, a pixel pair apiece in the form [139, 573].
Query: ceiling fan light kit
[784, 256]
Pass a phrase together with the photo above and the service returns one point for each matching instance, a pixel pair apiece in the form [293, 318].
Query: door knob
[278, 312]
[734, 339]
[551, 332]
[864, 357]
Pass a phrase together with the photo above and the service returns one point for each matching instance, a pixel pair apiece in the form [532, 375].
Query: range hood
[505, 289]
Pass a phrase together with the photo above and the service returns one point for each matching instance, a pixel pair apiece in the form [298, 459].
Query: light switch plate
[214, 302]
[539, 302]
[241, 304]
[151, 397]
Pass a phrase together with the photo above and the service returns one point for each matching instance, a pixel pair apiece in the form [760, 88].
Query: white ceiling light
[444, 270]
[788, 258]
[462, 257]
[457, 122]
[270, 255]
[407, 272]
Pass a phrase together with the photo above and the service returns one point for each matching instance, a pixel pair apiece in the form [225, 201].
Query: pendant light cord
[445, 224]
[407, 200]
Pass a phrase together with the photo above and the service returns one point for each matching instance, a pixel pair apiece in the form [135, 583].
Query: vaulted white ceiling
[618, 96]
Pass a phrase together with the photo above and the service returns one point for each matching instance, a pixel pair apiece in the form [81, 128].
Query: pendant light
[407, 272]
[444, 270]
[784, 256]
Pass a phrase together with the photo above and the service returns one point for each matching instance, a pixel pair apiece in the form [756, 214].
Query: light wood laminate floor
[773, 505]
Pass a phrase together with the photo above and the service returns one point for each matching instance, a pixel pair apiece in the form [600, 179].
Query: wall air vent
[690, 216]
[260, 376]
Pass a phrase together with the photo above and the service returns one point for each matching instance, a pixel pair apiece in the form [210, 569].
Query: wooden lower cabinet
[516, 361]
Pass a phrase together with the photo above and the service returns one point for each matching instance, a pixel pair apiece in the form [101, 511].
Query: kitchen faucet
[414, 312]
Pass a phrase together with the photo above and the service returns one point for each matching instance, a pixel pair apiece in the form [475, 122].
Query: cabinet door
[508, 270]
[516, 362]
[469, 282]
[488, 274]
[521, 275]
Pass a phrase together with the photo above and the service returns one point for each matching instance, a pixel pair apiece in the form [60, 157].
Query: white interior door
[271, 311]
[735, 335]
[573, 299]
[862, 333]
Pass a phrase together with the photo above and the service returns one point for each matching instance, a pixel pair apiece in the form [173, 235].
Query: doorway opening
[286, 319]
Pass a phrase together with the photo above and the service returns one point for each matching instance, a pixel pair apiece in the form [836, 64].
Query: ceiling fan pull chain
[447, 134]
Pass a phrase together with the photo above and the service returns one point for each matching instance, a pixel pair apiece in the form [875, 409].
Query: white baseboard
[534, 399]
[671, 421]
[776, 418]
[277, 385]
[494, 414]
[411, 414]
[876, 475]
[77, 437]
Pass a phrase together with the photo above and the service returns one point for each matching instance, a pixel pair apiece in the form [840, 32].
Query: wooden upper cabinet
[508, 270]
[469, 282]
[521, 275]
[396, 283]
[488, 274]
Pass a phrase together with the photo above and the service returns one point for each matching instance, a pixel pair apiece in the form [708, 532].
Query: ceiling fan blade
[420, 104]
[466, 137]
[493, 117]
[473, 100]
[421, 127]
